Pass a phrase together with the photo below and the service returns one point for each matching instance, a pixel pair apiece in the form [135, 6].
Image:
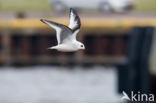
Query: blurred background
[120, 54]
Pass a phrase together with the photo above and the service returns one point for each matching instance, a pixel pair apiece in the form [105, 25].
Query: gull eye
[81, 45]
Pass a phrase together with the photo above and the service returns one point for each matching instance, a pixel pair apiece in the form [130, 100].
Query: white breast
[66, 48]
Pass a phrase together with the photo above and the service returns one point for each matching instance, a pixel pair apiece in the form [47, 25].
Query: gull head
[80, 46]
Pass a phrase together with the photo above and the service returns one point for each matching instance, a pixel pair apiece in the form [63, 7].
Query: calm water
[58, 85]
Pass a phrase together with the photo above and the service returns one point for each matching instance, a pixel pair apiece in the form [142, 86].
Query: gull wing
[75, 22]
[63, 33]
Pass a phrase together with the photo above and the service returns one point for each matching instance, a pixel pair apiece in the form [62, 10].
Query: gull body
[68, 47]
[66, 36]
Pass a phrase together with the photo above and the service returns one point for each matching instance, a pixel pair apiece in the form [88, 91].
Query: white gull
[66, 36]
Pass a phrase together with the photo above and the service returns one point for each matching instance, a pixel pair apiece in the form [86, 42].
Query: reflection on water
[58, 85]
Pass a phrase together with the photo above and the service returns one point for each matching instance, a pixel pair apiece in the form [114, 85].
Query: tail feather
[53, 47]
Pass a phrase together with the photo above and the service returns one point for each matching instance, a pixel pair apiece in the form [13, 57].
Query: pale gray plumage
[66, 36]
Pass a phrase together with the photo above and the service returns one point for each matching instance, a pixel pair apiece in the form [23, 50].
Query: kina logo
[137, 97]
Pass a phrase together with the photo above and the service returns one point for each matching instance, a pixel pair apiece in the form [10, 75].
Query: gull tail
[53, 47]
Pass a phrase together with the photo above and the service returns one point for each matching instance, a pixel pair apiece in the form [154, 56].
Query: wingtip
[41, 20]
[71, 9]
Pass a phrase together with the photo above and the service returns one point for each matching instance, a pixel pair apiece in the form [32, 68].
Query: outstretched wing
[62, 32]
[75, 22]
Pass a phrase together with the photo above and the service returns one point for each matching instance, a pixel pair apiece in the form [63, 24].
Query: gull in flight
[66, 36]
